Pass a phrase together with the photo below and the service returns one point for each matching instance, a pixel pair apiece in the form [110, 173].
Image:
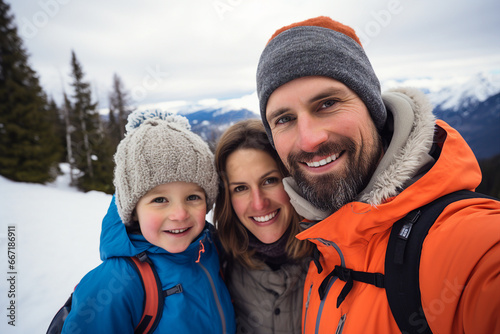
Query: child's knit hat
[159, 148]
[323, 47]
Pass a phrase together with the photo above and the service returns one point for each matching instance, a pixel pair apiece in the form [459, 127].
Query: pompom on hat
[318, 47]
[159, 148]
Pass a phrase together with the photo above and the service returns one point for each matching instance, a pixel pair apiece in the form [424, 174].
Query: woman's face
[257, 194]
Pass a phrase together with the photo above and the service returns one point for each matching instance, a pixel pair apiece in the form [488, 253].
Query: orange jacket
[460, 261]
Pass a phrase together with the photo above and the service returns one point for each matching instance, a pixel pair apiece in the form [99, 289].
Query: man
[361, 161]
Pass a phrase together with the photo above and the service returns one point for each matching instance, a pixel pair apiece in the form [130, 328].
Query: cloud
[198, 49]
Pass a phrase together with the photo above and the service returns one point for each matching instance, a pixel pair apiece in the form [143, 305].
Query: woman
[265, 264]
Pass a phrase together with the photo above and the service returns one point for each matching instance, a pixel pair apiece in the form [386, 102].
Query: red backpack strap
[153, 294]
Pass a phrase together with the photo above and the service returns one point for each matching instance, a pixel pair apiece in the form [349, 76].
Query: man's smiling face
[325, 136]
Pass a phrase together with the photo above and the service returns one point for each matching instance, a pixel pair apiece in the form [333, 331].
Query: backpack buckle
[143, 257]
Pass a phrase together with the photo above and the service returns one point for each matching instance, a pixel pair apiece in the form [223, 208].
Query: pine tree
[29, 149]
[119, 109]
[85, 117]
[91, 149]
[56, 119]
[68, 130]
[102, 162]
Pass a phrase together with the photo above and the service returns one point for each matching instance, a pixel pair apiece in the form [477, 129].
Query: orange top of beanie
[324, 22]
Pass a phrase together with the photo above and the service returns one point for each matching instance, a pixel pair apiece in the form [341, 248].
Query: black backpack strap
[153, 293]
[349, 276]
[56, 325]
[402, 261]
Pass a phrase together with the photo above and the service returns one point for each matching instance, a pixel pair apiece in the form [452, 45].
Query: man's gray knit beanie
[318, 47]
[159, 148]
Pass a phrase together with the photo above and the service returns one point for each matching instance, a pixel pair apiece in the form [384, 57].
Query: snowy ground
[57, 233]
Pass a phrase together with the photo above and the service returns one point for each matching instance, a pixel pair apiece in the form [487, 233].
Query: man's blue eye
[328, 103]
[283, 120]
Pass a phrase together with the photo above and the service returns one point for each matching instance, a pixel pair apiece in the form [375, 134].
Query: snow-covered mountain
[468, 94]
[473, 108]
[454, 93]
[210, 117]
[446, 93]
[470, 104]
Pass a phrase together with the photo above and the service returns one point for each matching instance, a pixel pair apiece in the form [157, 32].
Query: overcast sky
[166, 50]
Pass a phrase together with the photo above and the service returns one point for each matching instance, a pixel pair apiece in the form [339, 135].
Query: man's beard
[329, 192]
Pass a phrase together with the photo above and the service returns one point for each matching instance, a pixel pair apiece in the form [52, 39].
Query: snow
[476, 89]
[57, 232]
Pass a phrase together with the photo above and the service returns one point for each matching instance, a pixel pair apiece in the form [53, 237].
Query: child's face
[172, 215]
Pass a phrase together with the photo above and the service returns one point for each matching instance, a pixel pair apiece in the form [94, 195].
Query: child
[165, 181]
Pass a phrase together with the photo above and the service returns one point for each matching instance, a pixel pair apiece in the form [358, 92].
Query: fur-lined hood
[408, 151]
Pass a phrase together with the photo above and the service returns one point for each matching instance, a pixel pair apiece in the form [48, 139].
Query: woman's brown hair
[247, 134]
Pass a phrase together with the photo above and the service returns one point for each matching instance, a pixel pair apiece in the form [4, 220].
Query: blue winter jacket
[109, 299]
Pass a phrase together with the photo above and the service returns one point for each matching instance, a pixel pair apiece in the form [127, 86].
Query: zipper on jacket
[322, 304]
[216, 297]
[214, 290]
[327, 290]
[334, 245]
[307, 307]
[201, 250]
[340, 326]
